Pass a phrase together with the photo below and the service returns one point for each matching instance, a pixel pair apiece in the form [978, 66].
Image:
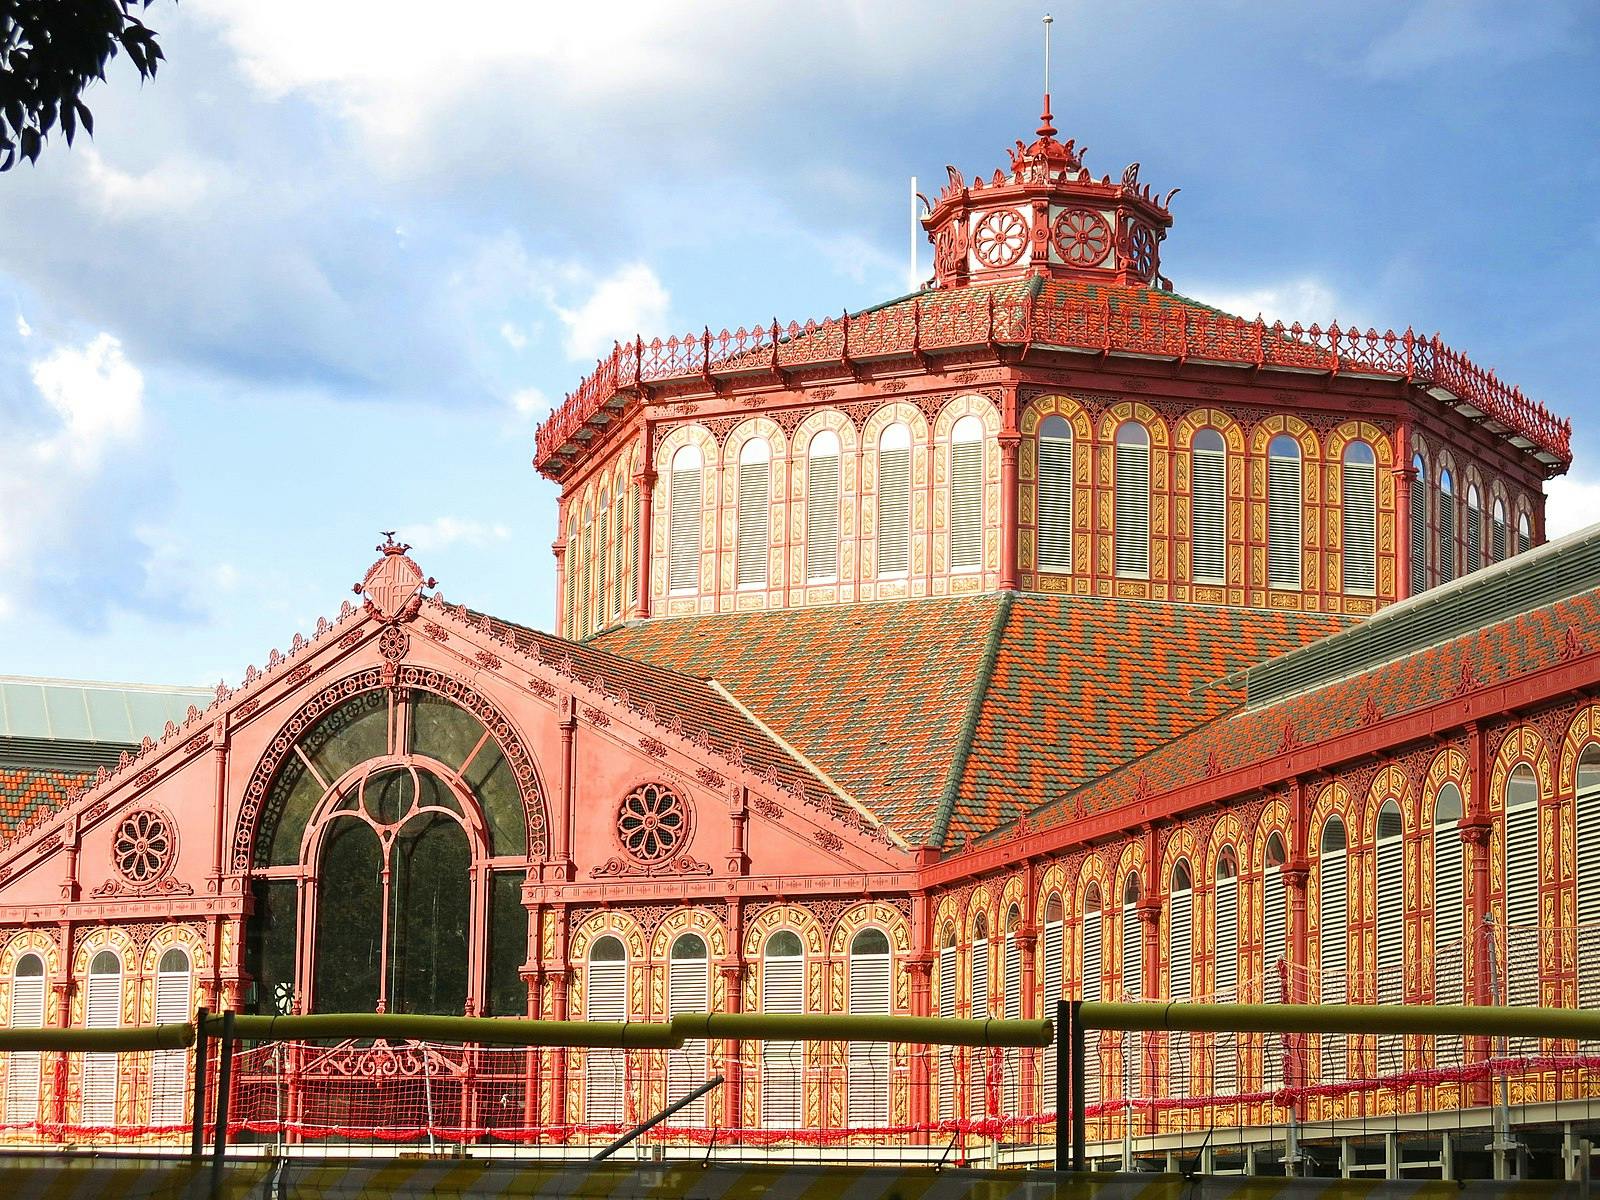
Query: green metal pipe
[1461, 1019]
[130, 1037]
[489, 1031]
[928, 1031]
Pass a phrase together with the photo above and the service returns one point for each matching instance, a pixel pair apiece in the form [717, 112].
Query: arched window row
[600, 559]
[1457, 526]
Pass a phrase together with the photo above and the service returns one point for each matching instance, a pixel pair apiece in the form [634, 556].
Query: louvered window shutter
[1132, 989]
[633, 547]
[1055, 500]
[822, 518]
[1274, 950]
[1524, 536]
[1131, 511]
[569, 562]
[1588, 875]
[1052, 996]
[602, 554]
[1333, 916]
[1474, 533]
[1447, 536]
[754, 535]
[688, 991]
[1390, 920]
[23, 1066]
[1419, 536]
[605, 1075]
[947, 1009]
[1521, 966]
[894, 511]
[978, 1058]
[1180, 984]
[1011, 1010]
[102, 1010]
[1209, 499]
[585, 579]
[1285, 514]
[966, 506]
[782, 1063]
[683, 530]
[1499, 540]
[868, 1062]
[169, 1068]
[619, 558]
[1359, 485]
[1449, 899]
[1090, 988]
[1225, 982]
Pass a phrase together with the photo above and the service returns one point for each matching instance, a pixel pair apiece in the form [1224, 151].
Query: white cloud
[23, 328]
[443, 532]
[513, 336]
[1305, 300]
[1571, 503]
[629, 301]
[174, 185]
[98, 396]
[530, 404]
[1443, 31]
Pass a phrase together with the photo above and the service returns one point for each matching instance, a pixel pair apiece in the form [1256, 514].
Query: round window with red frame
[143, 846]
[1000, 237]
[1142, 250]
[653, 823]
[1082, 237]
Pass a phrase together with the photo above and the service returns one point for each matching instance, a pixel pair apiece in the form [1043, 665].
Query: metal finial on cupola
[1046, 128]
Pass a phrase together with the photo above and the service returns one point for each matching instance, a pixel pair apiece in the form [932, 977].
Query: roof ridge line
[800, 758]
[969, 723]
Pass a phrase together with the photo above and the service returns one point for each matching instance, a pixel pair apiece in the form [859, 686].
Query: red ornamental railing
[1150, 325]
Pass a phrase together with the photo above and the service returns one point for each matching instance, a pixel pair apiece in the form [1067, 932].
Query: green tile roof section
[76, 711]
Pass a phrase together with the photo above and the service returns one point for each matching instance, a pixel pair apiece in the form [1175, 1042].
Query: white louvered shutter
[1390, 917]
[688, 991]
[633, 547]
[1588, 875]
[1131, 535]
[1132, 989]
[23, 1066]
[894, 511]
[1225, 982]
[169, 1069]
[1093, 968]
[868, 1062]
[1274, 950]
[684, 502]
[1285, 514]
[602, 557]
[1524, 536]
[1333, 916]
[822, 518]
[1474, 533]
[1209, 499]
[605, 1076]
[754, 533]
[1419, 535]
[1180, 984]
[102, 1010]
[1055, 496]
[1053, 974]
[966, 506]
[1359, 488]
[1447, 535]
[1449, 899]
[569, 562]
[1011, 1010]
[583, 625]
[1521, 966]
[978, 1057]
[947, 1009]
[619, 557]
[782, 1063]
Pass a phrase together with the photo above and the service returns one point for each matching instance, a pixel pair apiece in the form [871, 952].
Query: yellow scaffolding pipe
[1470, 1020]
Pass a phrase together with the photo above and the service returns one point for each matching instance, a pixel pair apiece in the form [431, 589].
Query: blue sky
[325, 274]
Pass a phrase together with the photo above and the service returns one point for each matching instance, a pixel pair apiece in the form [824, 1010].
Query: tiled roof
[25, 790]
[945, 717]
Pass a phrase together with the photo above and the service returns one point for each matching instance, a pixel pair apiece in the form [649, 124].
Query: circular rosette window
[653, 823]
[1082, 237]
[143, 846]
[1142, 250]
[1000, 238]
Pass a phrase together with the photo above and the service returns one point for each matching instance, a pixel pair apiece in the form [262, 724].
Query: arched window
[1055, 495]
[753, 535]
[1131, 511]
[633, 546]
[619, 560]
[1358, 483]
[1522, 886]
[1474, 529]
[586, 575]
[1054, 979]
[1180, 971]
[1132, 984]
[783, 990]
[978, 993]
[1588, 875]
[606, 999]
[894, 501]
[570, 559]
[966, 495]
[688, 991]
[822, 507]
[169, 1069]
[1524, 534]
[1447, 527]
[1389, 913]
[1498, 535]
[867, 1066]
[685, 500]
[1449, 898]
[1208, 552]
[22, 1066]
[1091, 965]
[102, 1010]
[1418, 488]
[947, 1009]
[1274, 954]
[1225, 967]
[1285, 513]
[1011, 1010]
[1333, 916]
[602, 558]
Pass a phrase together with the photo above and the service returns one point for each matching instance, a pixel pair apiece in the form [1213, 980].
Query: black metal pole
[219, 1146]
[1080, 1139]
[714, 1081]
[1063, 1052]
[202, 1048]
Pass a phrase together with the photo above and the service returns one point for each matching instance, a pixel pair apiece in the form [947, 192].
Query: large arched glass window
[1055, 495]
[102, 1010]
[1418, 533]
[867, 1067]
[1474, 537]
[822, 508]
[1449, 898]
[948, 1009]
[605, 1071]
[169, 1069]
[1131, 511]
[1447, 528]
[753, 535]
[966, 494]
[782, 1063]
[1389, 913]
[22, 1066]
[1091, 985]
[1225, 967]
[1208, 558]
[1333, 916]
[1180, 971]
[978, 1009]
[894, 501]
[685, 500]
[1521, 840]
[688, 991]
[1358, 482]
[1285, 513]
[1588, 876]
[1499, 541]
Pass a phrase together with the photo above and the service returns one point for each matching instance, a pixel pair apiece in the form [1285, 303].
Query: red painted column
[919, 1076]
[1404, 475]
[557, 866]
[559, 549]
[1010, 446]
[645, 481]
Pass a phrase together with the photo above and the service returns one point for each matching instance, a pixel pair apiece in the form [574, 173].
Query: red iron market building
[1043, 633]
